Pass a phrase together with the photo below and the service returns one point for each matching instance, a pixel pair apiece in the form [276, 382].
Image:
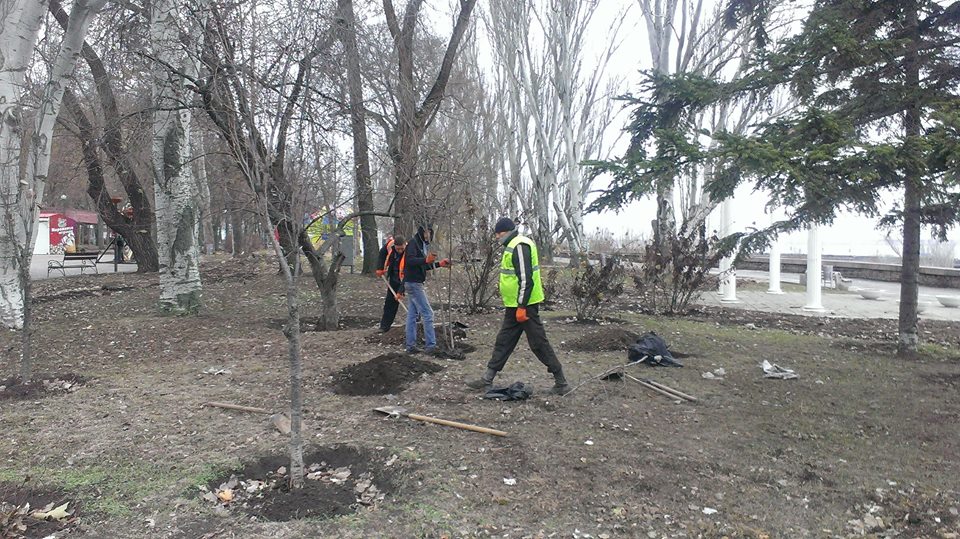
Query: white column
[814, 260]
[729, 286]
[774, 270]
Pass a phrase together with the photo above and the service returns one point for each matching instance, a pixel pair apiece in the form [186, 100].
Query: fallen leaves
[238, 491]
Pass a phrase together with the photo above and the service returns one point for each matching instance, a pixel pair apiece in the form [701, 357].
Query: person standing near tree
[521, 289]
[391, 266]
[417, 261]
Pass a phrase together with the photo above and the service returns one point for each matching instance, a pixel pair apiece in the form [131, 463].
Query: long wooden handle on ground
[456, 424]
[229, 406]
[662, 389]
[690, 398]
[394, 292]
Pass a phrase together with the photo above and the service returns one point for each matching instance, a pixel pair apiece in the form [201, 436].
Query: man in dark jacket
[390, 265]
[521, 289]
[417, 261]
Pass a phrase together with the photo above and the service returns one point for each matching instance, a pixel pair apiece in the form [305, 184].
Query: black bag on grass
[516, 392]
[652, 350]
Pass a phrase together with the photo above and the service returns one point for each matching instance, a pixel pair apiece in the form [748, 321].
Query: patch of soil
[608, 339]
[82, 292]
[312, 323]
[15, 517]
[949, 379]
[14, 388]
[907, 512]
[382, 375]
[396, 336]
[235, 268]
[339, 481]
[602, 321]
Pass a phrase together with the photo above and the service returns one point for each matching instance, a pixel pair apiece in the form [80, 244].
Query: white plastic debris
[509, 481]
[776, 371]
[709, 511]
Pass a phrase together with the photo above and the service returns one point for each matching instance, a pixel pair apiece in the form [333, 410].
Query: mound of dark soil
[382, 375]
[607, 339]
[15, 515]
[15, 388]
[339, 480]
[397, 337]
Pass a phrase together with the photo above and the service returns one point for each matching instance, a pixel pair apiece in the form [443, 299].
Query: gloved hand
[381, 273]
[431, 258]
[522, 314]
[445, 263]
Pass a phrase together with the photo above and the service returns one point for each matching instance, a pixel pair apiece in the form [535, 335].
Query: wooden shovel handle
[690, 398]
[457, 425]
[667, 394]
[394, 292]
[229, 406]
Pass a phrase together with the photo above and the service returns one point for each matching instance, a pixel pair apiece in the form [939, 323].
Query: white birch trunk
[18, 35]
[174, 186]
[21, 196]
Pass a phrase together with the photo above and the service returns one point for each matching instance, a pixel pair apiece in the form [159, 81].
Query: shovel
[392, 291]
[396, 411]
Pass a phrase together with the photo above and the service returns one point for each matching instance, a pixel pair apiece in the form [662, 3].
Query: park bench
[74, 260]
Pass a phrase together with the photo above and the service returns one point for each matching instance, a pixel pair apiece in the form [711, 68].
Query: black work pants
[390, 306]
[509, 336]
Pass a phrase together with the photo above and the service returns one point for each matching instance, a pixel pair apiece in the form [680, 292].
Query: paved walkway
[38, 269]
[837, 303]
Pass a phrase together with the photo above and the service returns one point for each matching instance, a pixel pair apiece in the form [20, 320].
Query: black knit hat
[504, 224]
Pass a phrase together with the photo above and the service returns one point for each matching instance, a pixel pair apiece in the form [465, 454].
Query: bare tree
[560, 104]
[21, 193]
[175, 189]
[412, 119]
[138, 227]
[361, 151]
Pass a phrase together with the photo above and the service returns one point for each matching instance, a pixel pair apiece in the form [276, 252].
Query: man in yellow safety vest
[521, 289]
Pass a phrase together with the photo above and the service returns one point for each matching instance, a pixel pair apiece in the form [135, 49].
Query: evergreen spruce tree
[878, 82]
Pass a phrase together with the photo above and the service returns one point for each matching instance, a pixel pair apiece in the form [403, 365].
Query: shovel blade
[391, 410]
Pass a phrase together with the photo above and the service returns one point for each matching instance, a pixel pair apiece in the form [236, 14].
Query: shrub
[668, 284]
[594, 285]
[479, 259]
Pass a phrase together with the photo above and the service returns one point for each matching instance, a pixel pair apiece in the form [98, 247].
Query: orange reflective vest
[390, 253]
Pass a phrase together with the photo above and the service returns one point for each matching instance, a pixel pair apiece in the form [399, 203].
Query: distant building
[63, 230]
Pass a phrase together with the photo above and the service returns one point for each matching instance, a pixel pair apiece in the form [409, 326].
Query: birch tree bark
[175, 189]
[21, 195]
[18, 35]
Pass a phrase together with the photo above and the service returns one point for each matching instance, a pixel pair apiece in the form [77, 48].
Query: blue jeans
[419, 304]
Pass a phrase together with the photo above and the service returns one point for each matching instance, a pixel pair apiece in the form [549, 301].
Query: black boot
[483, 383]
[560, 386]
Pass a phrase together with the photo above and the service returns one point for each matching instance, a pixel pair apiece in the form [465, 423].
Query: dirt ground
[862, 444]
